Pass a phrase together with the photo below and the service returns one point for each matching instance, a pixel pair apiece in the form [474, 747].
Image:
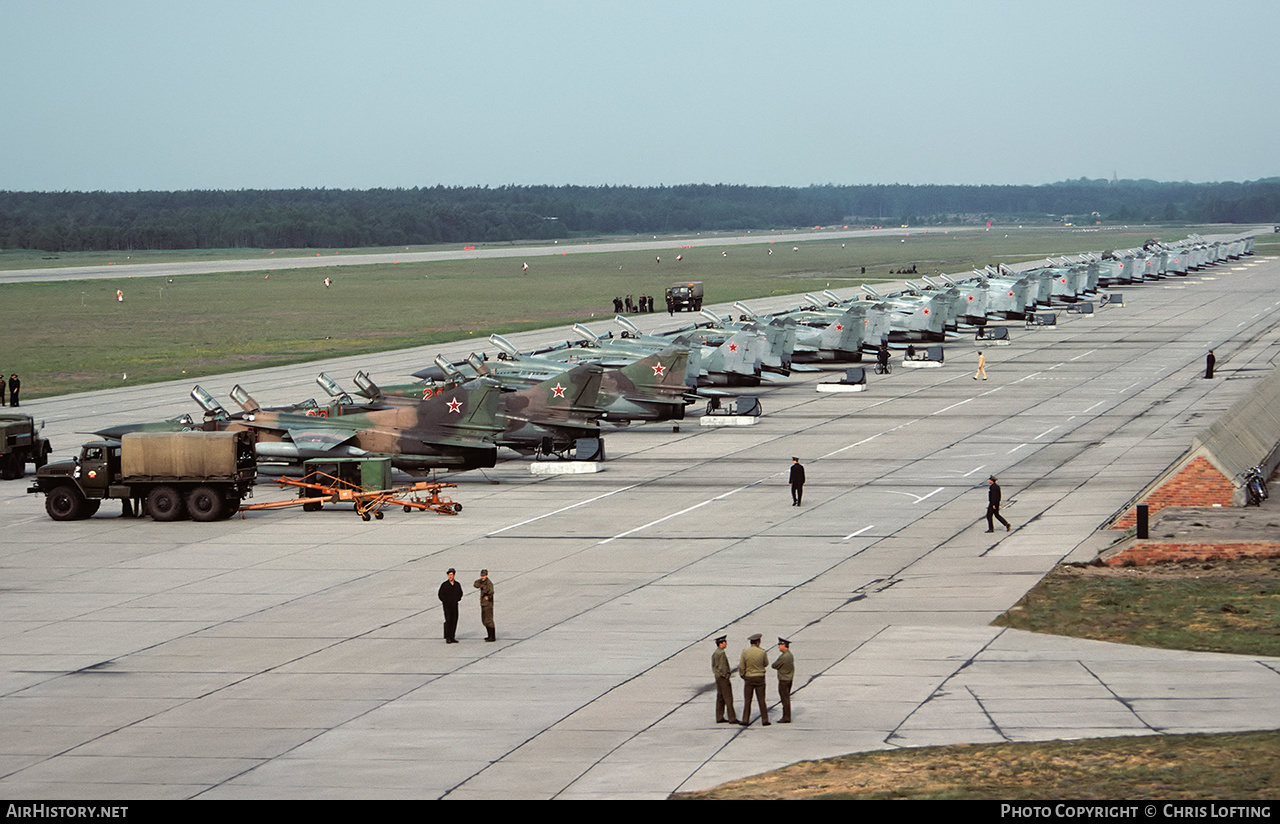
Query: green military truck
[20, 444]
[685, 297]
[204, 475]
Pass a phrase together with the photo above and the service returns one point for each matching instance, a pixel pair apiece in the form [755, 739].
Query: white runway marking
[918, 498]
[675, 514]
[564, 509]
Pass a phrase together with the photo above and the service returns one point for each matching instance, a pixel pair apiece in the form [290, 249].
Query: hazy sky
[221, 94]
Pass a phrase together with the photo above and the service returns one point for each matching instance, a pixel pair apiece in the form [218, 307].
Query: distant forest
[334, 218]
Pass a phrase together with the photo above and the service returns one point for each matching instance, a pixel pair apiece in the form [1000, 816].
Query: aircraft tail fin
[565, 399]
[659, 376]
[737, 355]
[845, 333]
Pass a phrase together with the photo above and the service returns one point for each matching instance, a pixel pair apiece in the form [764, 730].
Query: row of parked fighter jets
[554, 401]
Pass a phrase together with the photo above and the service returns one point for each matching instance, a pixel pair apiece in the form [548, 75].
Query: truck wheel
[204, 503]
[12, 466]
[64, 503]
[165, 504]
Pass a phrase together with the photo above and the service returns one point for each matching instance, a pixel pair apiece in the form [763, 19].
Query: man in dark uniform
[486, 602]
[796, 481]
[14, 386]
[1209, 362]
[786, 667]
[993, 505]
[724, 687]
[752, 666]
[450, 594]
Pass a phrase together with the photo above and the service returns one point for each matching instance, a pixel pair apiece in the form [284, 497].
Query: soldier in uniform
[796, 480]
[724, 687]
[786, 667]
[993, 505]
[752, 666]
[486, 602]
[450, 594]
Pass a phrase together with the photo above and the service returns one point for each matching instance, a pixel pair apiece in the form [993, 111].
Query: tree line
[340, 218]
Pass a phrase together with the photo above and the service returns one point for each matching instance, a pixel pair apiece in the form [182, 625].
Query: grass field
[74, 336]
[1212, 607]
[1226, 766]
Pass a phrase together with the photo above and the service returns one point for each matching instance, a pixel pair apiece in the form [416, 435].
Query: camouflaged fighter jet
[650, 389]
[455, 430]
[731, 358]
[459, 427]
[548, 417]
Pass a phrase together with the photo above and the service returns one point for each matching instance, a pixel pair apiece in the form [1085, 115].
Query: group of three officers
[752, 666]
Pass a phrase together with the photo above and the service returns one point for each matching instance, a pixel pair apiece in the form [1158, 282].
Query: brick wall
[1142, 553]
[1196, 484]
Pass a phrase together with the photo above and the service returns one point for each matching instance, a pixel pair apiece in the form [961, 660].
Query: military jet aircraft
[548, 417]
[824, 333]
[459, 427]
[649, 389]
[736, 362]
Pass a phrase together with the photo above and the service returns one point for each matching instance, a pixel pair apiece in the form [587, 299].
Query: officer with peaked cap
[786, 667]
[724, 687]
[752, 666]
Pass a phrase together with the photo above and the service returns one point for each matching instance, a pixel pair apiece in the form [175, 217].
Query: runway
[298, 655]
[290, 259]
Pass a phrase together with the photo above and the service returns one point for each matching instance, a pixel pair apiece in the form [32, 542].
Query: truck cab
[20, 444]
[75, 488]
[685, 296]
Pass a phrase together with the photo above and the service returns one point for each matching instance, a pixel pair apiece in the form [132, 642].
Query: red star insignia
[455, 405]
[659, 370]
[926, 311]
[733, 347]
[558, 390]
[839, 327]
